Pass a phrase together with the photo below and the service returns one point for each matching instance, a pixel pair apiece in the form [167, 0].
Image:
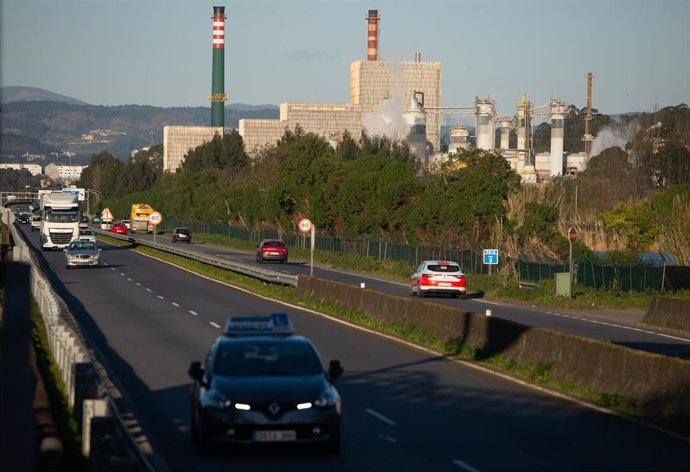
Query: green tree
[463, 199]
[347, 148]
[104, 173]
[143, 169]
[673, 163]
[637, 223]
[220, 153]
[309, 175]
[369, 201]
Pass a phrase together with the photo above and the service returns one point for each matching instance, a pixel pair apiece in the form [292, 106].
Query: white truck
[59, 219]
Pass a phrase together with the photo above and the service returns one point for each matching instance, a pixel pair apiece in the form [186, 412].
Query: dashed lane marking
[379, 416]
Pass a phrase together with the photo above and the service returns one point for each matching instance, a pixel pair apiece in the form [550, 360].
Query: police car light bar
[276, 324]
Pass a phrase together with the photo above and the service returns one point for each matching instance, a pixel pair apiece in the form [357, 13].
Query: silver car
[87, 234]
[82, 253]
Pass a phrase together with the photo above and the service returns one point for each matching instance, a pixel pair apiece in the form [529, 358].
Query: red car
[119, 228]
[438, 277]
[272, 250]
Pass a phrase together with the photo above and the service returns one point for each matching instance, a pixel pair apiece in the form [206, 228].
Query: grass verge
[492, 287]
[72, 459]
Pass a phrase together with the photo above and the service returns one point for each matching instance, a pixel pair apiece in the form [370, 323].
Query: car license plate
[274, 253]
[444, 284]
[287, 435]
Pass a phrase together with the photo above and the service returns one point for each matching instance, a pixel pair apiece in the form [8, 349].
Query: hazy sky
[158, 52]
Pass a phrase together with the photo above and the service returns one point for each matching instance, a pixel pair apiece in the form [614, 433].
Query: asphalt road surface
[404, 409]
[605, 325]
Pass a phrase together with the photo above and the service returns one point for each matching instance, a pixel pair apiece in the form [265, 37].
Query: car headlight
[328, 397]
[215, 399]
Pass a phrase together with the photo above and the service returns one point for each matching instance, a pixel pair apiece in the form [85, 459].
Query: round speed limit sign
[304, 225]
[155, 218]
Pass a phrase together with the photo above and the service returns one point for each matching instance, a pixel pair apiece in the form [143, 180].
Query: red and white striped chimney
[373, 35]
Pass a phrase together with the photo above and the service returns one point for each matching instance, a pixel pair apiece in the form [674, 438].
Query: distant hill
[13, 93]
[32, 94]
[36, 121]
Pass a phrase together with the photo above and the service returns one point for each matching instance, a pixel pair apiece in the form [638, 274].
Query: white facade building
[34, 169]
[64, 173]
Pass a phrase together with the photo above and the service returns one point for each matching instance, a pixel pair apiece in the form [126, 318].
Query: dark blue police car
[262, 385]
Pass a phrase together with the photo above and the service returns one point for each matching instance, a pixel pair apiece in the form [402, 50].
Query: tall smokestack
[218, 96]
[373, 35]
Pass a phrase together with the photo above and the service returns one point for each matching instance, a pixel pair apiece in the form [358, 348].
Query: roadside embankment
[649, 385]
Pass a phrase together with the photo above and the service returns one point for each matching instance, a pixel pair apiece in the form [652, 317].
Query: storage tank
[504, 124]
[458, 138]
[415, 126]
[484, 111]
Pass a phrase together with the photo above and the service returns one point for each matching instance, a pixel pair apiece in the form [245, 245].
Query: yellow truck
[139, 218]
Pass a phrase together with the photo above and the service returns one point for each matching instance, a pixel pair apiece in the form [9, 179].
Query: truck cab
[139, 218]
[59, 219]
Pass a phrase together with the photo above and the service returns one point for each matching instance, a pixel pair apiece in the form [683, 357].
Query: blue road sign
[490, 256]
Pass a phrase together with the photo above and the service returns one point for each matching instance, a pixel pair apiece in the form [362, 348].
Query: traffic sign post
[490, 258]
[572, 238]
[155, 219]
[306, 226]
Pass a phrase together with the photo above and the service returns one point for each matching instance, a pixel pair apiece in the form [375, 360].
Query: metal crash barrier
[111, 437]
[265, 275]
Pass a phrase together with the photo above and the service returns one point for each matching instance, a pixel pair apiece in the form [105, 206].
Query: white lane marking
[138, 284]
[465, 466]
[379, 416]
[122, 274]
[149, 290]
[614, 325]
[176, 304]
[388, 438]
[214, 324]
[112, 268]
[432, 352]
[161, 297]
[192, 312]
[129, 279]
[509, 306]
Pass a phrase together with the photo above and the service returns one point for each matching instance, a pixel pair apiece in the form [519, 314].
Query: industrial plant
[401, 100]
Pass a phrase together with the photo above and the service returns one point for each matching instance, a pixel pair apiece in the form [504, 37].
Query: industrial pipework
[373, 35]
[218, 96]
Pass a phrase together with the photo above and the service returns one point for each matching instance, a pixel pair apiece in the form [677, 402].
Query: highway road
[613, 326]
[404, 409]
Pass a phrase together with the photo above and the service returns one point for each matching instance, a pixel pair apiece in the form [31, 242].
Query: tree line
[375, 188]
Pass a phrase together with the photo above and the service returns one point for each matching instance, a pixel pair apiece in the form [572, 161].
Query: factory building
[179, 140]
[326, 119]
[381, 94]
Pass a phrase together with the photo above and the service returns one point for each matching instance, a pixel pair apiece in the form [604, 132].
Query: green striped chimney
[218, 96]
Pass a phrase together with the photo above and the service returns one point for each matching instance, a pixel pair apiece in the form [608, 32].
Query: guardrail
[265, 275]
[110, 441]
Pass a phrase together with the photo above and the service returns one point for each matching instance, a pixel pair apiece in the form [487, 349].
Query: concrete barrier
[669, 312]
[88, 387]
[660, 385]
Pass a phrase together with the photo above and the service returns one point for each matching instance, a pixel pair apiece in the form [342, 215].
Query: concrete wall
[669, 312]
[660, 384]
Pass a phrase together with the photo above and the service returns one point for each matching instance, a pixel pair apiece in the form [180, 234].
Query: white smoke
[615, 134]
[388, 119]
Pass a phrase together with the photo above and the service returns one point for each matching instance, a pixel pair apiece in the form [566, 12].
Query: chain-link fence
[590, 273]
